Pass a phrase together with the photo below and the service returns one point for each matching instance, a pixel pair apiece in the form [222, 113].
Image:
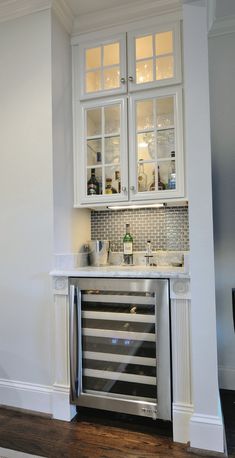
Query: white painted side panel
[71, 226]
[26, 218]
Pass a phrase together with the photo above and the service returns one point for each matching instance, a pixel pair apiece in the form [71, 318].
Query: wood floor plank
[83, 438]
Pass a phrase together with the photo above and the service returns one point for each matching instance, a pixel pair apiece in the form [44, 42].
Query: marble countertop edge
[122, 271]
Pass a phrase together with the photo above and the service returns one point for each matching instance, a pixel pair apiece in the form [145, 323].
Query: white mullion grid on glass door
[155, 135]
[103, 147]
[154, 58]
[86, 151]
[176, 143]
[102, 68]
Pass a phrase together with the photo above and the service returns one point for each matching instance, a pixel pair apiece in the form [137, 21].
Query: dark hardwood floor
[228, 407]
[98, 435]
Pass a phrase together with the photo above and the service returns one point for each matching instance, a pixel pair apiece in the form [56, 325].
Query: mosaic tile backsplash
[167, 227]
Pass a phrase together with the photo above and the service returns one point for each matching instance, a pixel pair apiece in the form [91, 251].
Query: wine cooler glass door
[118, 353]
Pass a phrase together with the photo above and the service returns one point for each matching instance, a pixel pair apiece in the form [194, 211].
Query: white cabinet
[128, 118]
[102, 168]
[156, 147]
[130, 62]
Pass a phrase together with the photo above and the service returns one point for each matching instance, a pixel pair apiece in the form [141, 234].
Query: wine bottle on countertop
[128, 246]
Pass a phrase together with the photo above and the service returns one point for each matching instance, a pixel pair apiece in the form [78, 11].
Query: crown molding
[64, 14]
[211, 13]
[12, 9]
[223, 26]
[123, 14]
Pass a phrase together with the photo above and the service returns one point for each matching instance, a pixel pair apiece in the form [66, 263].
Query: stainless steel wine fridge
[120, 345]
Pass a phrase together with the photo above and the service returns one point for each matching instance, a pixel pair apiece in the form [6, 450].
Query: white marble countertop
[123, 271]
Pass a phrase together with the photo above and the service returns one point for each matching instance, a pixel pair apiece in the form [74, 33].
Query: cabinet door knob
[131, 79]
[132, 188]
[123, 80]
[123, 188]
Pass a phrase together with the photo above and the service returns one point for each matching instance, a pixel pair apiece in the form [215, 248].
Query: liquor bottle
[152, 186]
[171, 173]
[128, 246]
[142, 177]
[99, 178]
[118, 180]
[161, 185]
[108, 186]
[92, 184]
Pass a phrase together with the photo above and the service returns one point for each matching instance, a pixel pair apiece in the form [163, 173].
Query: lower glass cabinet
[130, 149]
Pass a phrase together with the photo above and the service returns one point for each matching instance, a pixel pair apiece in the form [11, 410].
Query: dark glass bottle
[152, 186]
[171, 174]
[161, 185]
[92, 184]
[99, 178]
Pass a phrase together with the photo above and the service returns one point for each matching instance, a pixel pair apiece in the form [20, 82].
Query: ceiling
[79, 7]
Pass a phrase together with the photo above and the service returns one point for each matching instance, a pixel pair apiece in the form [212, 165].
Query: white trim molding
[64, 14]
[211, 16]
[62, 409]
[223, 26]
[207, 432]
[124, 14]
[181, 378]
[27, 396]
[182, 413]
[12, 9]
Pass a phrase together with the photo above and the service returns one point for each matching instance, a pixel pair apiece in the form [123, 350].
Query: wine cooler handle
[72, 342]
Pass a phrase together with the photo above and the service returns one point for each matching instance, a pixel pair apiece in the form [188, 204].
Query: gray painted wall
[222, 97]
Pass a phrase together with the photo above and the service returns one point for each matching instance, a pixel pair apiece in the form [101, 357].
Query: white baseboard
[207, 433]
[27, 396]
[62, 409]
[226, 378]
[181, 418]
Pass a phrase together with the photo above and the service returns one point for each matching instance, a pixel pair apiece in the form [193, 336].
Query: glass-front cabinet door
[103, 67]
[156, 147]
[154, 57]
[102, 167]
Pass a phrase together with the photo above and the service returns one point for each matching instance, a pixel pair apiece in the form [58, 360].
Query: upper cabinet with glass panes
[102, 66]
[128, 133]
[154, 57]
[148, 58]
